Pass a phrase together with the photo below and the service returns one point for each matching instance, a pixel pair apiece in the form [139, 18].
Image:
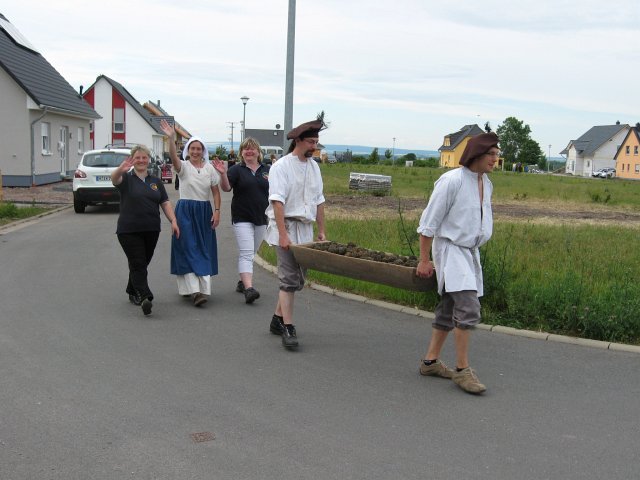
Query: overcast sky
[410, 69]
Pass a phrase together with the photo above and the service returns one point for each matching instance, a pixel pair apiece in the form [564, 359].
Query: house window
[627, 149]
[118, 120]
[447, 142]
[80, 139]
[637, 167]
[46, 138]
[90, 127]
[635, 149]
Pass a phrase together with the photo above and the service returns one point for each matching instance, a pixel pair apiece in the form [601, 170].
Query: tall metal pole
[288, 94]
[393, 155]
[244, 99]
[549, 159]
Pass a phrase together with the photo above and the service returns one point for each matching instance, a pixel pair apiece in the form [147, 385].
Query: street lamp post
[244, 99]
[549, 160]
[393, 153]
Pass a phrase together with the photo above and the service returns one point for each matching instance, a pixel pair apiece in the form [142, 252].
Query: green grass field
[416, 182]
[575, 280]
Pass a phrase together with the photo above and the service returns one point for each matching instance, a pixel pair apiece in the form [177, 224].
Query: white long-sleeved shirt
[297, 184]
[459, 225]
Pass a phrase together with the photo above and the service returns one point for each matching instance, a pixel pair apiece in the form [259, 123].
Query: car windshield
[104, 159]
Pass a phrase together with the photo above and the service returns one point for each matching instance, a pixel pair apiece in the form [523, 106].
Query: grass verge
[9, 212]
[568, 280]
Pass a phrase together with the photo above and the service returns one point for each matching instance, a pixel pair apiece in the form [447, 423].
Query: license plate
[103, 178]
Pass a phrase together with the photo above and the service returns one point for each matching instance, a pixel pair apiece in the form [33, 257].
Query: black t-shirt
[250, 193]
[139, 203]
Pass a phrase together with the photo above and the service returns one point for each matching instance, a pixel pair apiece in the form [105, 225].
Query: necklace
[199, 166]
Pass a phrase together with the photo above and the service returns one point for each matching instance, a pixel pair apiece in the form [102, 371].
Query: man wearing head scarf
[457, 221]
[295, 202]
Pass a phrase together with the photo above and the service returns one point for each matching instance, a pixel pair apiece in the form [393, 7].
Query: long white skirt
[192, 283]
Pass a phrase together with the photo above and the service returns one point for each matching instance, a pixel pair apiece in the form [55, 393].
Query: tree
[374, 157]
[221, 152]
[531, 153]
[387, 153]
[516, 143]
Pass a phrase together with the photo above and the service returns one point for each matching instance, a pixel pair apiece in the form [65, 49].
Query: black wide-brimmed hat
[308, 129]
[478, 146]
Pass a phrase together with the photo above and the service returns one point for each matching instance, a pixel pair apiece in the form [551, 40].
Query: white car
[604, 173]
[92, 179]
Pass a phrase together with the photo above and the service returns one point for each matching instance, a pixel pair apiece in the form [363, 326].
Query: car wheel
[78, 206]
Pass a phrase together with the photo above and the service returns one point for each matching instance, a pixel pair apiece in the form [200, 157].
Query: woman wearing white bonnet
[194, 256]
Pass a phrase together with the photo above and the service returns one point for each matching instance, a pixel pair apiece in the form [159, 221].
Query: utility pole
[231, 124]
[549, 159]
[288, 93]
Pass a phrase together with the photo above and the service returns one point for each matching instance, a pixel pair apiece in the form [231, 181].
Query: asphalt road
[91, 389]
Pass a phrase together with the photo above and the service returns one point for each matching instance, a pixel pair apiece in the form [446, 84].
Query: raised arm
[221, 168]
[116, 175]
[170, 131]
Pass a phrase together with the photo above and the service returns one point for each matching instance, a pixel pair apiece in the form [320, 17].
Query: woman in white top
[194, 256]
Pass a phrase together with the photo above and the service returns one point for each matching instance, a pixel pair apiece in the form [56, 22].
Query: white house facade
[44, 122]
[124, 120]
[595, 149]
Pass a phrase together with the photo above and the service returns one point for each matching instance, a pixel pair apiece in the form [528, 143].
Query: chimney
[81, 88]
[158, 102]
[617, 122]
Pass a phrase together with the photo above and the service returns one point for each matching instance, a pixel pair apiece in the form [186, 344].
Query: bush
[8, 210]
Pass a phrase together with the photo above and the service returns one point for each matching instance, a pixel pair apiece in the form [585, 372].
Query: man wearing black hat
[295, 202]
[457, 221]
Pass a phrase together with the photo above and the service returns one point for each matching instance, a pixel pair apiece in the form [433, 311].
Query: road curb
[549, 337]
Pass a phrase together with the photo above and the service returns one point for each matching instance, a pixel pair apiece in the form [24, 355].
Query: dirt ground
[365, 206]
[60, 193]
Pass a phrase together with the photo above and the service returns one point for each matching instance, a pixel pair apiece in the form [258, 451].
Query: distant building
[455, 143]
[270, 140]
[44, 122]
[595, 149]
[124, 120]
[627, 157]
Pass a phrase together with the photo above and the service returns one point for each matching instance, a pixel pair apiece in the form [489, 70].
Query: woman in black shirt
[249, 180]
[139, 221]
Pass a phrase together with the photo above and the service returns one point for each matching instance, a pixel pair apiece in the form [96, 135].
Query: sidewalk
[59, 193]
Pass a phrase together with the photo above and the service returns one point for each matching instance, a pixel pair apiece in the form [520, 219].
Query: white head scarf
[205, 153]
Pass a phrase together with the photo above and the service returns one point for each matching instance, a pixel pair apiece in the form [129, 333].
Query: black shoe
[135, 299]
[276, 326]
[146, 306]
[251, 295]
[198, 299]
[240, 287]
[289, 337]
